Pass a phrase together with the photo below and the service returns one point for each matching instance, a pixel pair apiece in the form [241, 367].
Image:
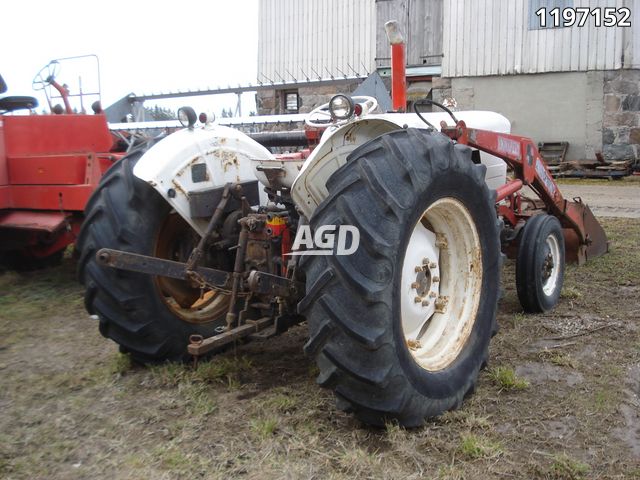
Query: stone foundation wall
[621, 120]
[270, 102]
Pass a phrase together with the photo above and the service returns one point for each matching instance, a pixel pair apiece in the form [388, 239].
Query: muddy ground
[560, 399]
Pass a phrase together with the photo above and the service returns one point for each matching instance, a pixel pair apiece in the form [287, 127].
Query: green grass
[199, 398]
[567, 468]
[603, 401]
[282, 402]
[557, 358]
[120, 364]
[225, 370]
[622, 264]
[570, 293]
[506, 379]
[264, 427]
[474, 447]
[36, 294]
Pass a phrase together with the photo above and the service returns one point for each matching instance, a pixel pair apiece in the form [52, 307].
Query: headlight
[206, 117]
[187, 116]
[341, 107]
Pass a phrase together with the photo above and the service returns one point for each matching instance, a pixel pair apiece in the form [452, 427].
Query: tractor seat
[11, 103]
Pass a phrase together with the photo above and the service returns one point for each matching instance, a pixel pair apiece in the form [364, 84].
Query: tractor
[49, 166]
[387, 239]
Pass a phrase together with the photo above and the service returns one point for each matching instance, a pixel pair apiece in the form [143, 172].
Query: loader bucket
[596, 243]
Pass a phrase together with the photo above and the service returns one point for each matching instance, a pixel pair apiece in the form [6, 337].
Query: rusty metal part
[201, 346]
[134, 262]
[202, 203]
[238, 271]
[192, 302]
[595, 244]
[264, 283]
[198, 252]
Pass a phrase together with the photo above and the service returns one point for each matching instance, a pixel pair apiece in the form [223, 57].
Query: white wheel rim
[551, 266]
[437, 314]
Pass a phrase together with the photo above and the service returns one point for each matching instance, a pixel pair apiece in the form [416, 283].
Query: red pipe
[508, 189]
[398, 65]
[398, 78]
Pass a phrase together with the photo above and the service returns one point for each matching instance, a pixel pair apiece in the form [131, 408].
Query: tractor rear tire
[125, 213]
[540, 264]
[360, 307]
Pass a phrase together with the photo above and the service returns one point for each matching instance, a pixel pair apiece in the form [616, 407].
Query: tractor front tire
[134, 309]
[400, 329]
[540, 264]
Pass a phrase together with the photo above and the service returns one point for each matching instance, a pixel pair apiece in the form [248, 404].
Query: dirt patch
[542, 373]
[72, 407]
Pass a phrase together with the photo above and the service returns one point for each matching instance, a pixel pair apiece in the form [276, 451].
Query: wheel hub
[441, 280]
[426, 282]
[547, 266]
[185, 299]
[550, 268]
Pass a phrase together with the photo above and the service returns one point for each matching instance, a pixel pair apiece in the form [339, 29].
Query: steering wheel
[46, 75]
[320, 116]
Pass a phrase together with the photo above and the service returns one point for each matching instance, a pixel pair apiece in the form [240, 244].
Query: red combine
[49, 166]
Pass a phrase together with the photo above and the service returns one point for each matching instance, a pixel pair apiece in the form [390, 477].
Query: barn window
[535, 5]
[291, 102]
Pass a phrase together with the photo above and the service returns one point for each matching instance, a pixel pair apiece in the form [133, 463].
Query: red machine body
[49, 166]
[584, 236]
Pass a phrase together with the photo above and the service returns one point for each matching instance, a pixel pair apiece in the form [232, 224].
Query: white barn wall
[492, 37]
[310, 38]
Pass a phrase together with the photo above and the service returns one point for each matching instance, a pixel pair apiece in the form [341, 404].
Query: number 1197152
[580, 16]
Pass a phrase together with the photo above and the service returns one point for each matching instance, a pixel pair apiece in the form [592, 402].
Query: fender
[225, 153]
[309, 188]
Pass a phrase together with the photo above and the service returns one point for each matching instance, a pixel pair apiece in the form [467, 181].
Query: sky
[143, 46]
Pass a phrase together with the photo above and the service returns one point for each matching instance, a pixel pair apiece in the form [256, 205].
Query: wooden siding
[421, 24]
[301, 39]
[492, 37]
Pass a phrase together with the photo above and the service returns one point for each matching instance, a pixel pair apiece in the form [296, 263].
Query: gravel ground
[607, 200]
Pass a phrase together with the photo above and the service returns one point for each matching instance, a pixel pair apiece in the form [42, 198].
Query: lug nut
[435, 279]
[441, 304]
[433, 265]
[441, 241]
[426, 303]
[415, 285]
[417, 299]
[417, 269]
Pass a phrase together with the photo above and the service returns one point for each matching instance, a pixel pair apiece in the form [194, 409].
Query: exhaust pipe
[398, 73]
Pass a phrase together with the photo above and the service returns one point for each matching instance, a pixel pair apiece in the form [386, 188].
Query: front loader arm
[586, 238]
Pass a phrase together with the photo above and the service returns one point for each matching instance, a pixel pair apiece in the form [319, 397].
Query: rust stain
[189, 163]
[349, 136]
[179, 188]
[227, 158]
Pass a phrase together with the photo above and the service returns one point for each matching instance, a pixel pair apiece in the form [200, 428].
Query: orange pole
[398, 78]
[398, 66]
